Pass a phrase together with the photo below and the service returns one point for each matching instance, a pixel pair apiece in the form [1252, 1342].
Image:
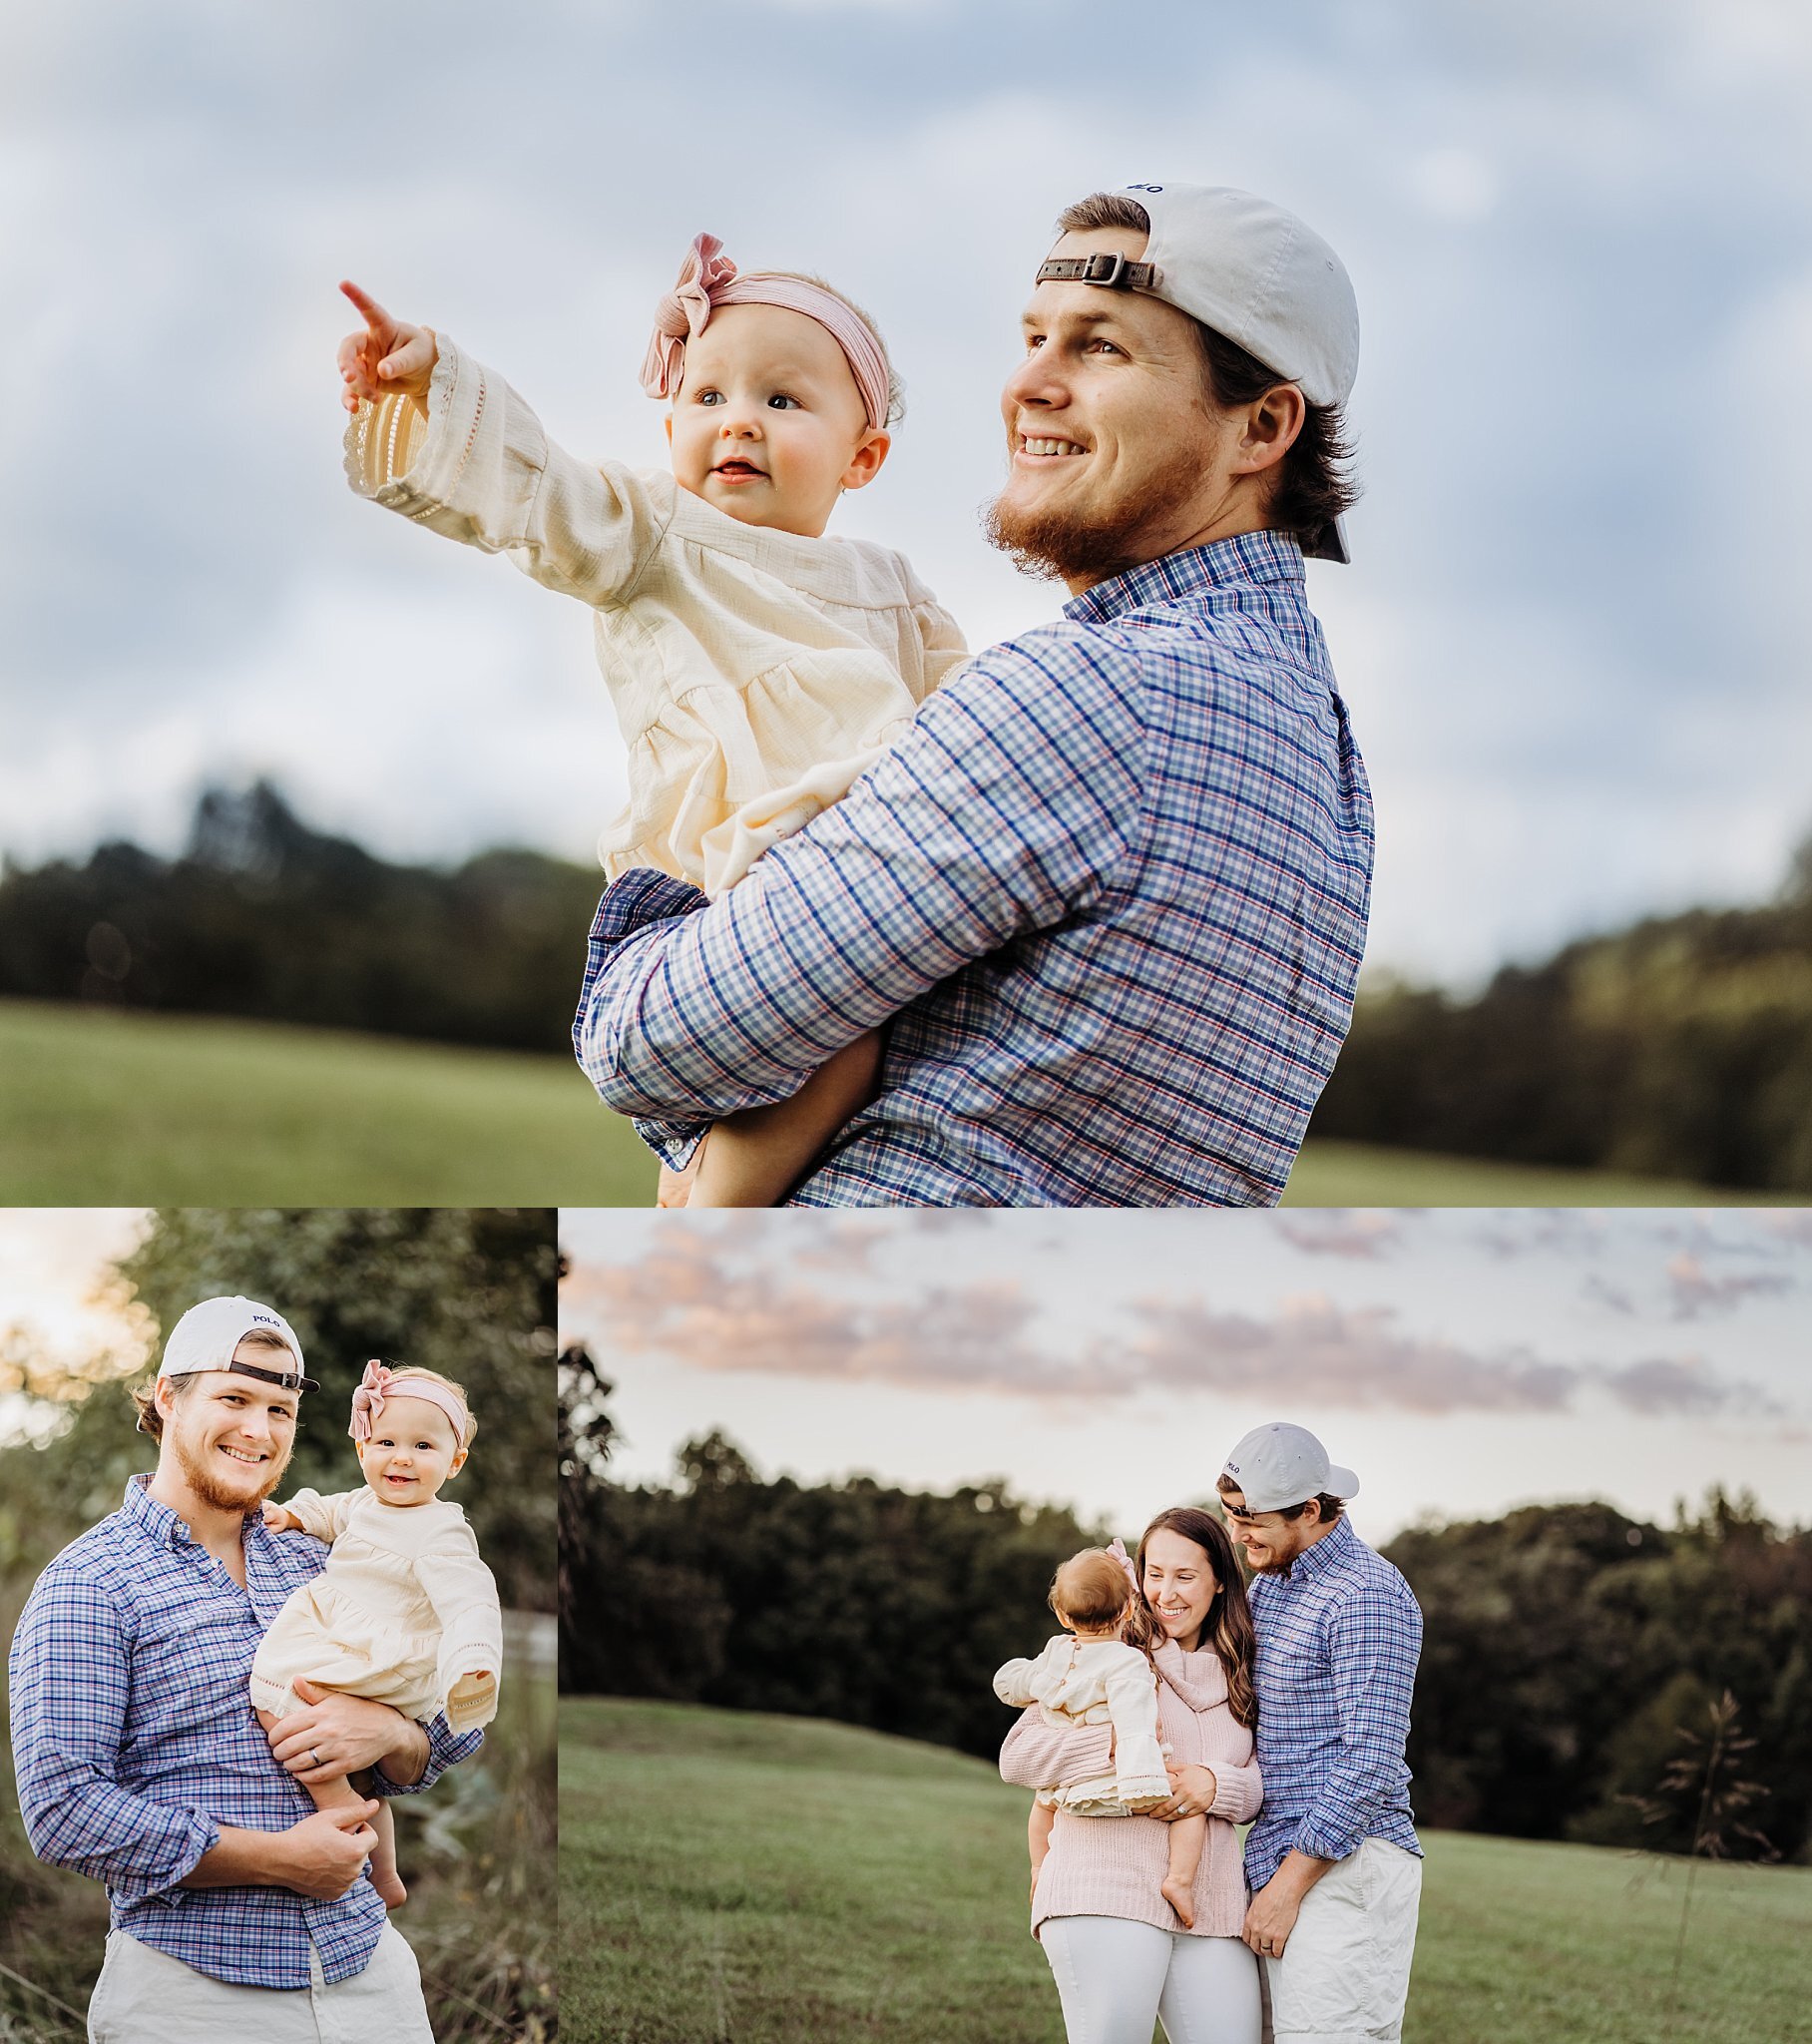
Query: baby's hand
[278, 1519]
[388, 355]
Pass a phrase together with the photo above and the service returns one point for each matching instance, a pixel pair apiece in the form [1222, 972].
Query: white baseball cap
[207, 1333]
[1280, 1464]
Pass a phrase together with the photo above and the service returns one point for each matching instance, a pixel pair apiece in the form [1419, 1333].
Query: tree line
[1679, 1048]
[1568, 1648]
[263, 916]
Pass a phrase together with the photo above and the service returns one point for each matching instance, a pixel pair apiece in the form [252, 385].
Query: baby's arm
[450, 445]
[1013, 1683]
[463, 1593]
[1138, 1762]
[309, 1512]
[756, 1158]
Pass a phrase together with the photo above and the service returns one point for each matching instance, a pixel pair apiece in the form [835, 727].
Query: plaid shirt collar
[1328, 1553]
[1245, 557]
[159, 1522]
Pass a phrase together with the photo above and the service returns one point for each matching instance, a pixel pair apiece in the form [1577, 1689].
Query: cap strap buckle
[1111, 271]
[285, 1379]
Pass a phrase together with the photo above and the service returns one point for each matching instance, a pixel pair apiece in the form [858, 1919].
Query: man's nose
[1034, 383]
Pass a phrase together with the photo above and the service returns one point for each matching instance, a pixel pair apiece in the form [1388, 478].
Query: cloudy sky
[1460, 1361]
[1578, 230]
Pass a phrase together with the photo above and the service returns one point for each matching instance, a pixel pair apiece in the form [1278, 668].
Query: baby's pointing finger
[369, 310]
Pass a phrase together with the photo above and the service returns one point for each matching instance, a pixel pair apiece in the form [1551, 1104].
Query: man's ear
[1272, 424]
[866, 462]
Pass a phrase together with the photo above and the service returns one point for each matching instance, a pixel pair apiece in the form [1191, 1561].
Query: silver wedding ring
[315, 1753]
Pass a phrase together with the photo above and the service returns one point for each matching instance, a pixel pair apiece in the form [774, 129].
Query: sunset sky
[1460, 1361]
[1581, 233]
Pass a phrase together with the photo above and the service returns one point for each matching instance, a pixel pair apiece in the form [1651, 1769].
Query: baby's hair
[400, 1376]
[1093, 1589]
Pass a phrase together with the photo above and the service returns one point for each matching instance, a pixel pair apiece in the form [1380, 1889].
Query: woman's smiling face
[1179, 1585]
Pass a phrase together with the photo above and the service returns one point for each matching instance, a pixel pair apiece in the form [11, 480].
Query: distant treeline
[263, 916]
[1681, 1048]
[1568, 1647]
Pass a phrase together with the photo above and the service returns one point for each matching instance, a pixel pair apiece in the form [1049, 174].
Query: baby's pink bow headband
[1120, 1554]
[380, 1383]
[708, 278]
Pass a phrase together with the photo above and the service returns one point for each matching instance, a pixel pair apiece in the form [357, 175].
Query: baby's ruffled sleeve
[479, 469]
[325, 1517]
[463, 1593]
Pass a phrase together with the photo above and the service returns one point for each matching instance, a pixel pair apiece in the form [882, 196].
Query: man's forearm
[242, 1859]
[1297, 1872]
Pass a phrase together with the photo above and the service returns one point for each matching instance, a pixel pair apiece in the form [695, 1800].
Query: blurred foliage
[1681, 1048]
[263, 916]
[467, 1292]
[1566, 1646]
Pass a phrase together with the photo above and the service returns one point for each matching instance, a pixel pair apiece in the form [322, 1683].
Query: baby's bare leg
[1039, 1827]
[335, 1794]
[384, 1877]
[1187, 1835]
[754, 1158]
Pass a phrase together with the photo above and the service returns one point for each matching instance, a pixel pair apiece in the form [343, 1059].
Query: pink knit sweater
[1111, 1867]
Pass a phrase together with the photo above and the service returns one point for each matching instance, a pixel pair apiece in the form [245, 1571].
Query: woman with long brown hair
[1122, 1957]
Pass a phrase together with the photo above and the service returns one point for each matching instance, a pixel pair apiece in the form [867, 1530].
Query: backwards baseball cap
[1251, 272]
[207, 1335]
[1280, 1464]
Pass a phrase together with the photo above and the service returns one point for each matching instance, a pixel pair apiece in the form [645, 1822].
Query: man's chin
[221, 1492]
[1060, 543]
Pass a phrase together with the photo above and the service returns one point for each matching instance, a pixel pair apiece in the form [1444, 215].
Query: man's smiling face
[1116, 456]
[231, 1435]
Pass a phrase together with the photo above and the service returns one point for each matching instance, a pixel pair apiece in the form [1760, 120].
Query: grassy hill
[731, 1876]
[101, 1107]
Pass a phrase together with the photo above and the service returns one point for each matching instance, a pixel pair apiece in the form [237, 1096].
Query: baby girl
[405, 1612]
[758, 667]
[1098, 1671]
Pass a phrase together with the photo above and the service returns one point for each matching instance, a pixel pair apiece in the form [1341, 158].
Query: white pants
[147, 1997]
[1345, 1974]
[1115, 1977]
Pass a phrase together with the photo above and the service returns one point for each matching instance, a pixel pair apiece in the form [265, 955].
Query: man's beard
[1063, 545]
[208, 1488]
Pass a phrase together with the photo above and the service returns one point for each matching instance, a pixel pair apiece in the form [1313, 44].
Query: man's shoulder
[1365, 1578]
[93, 1566]
[1094, 670]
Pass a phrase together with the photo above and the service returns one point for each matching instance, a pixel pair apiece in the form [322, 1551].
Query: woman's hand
[389, 355]
[1192, 1792]
[337, 1734]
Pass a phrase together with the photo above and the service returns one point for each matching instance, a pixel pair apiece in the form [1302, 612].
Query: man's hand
[335, 1734]
[281, 1520]
[1273, 1910]
[1192, 1792]
[325, 1852]
[389, 355]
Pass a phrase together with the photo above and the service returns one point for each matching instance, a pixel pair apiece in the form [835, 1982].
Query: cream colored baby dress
[404, 1613]
[1097, 1682]
[755, 674]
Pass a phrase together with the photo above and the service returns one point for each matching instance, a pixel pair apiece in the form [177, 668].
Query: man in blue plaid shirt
[1333, 1860]
[239, 1911]
[1108, 895]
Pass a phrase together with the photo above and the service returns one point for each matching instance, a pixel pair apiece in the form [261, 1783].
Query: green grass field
[103, 1108]
[730, 1879]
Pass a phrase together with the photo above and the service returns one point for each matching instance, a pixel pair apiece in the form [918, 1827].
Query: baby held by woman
[1099, 1671]
[758, 667]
